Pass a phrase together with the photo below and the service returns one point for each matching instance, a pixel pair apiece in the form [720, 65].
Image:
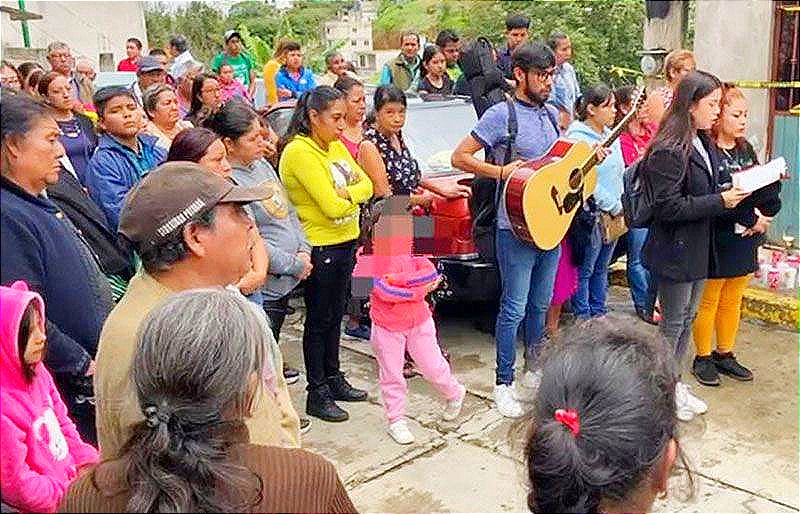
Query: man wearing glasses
[527, 273]
[60, 58]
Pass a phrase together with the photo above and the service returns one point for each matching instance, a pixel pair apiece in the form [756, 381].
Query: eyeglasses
[546, 74]
[63, 57]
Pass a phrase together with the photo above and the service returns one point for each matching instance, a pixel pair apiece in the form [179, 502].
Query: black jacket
[72, 198]
[737, 255]
[686, 201]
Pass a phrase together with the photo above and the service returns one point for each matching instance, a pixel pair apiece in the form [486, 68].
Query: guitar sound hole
[575, 178]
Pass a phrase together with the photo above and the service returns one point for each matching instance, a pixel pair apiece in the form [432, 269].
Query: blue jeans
[527, 275]
[643, 288]
[590, 298]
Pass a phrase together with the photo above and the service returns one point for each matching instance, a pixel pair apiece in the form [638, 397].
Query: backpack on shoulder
[637, 198]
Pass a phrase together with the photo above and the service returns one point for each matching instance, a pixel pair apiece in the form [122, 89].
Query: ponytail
[195, 359]
[318, 99]
[603, 417]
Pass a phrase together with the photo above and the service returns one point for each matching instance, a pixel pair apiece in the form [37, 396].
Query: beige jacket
[274, 421]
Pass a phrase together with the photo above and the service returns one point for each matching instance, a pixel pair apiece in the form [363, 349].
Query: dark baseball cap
[230, 33]
[148, 63]
[172, 195]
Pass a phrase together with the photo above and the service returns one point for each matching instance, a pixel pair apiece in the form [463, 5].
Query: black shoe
[291, 375]
[342, 391]
[647, 318]
[305, 425]
[705, 371]
[320, 404]
[727, 364]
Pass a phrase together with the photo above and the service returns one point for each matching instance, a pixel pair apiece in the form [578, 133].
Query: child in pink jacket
[401, 318]
[40, 449]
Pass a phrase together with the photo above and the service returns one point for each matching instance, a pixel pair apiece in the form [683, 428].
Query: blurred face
[60, 61]
[152, 77]
[249, 147]
[437, 65]
[166, 113]
[9, 79]
[732, 121]
[337, 65]
[216, 160]
[409, 46]
[356, 104]
[328, 125]
[210, 94]
[226, 246]
[122, 117]
[452, 51]
[162, 59]
[394, 234]
[33, 157]
[59, 94]
[226, 74]
[563, 51]
[681, 70]
[706, 110]
[391, 117]
[294, 59]
[605, 113]
[516, 37]
[85, 69]
[234, 45]
[536, 84]
[37, 340]
[132, 50]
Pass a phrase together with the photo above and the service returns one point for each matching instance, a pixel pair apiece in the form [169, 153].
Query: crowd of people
[154, 234]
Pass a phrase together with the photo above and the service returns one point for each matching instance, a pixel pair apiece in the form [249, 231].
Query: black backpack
[486, 196]
[637, 198]
[486, 83]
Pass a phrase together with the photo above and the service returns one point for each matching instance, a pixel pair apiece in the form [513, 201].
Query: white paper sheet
[757, 177]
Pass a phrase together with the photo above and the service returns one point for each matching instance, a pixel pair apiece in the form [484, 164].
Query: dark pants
[276, 312]
[325, 298]
[78, 396]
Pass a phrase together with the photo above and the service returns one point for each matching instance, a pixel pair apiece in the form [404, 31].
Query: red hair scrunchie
[569, 418]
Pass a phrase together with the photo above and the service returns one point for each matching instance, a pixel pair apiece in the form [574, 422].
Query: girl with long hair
[681, 172]
[327, 187]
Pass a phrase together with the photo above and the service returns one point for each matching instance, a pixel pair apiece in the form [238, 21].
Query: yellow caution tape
[795, 110]
[764, 84]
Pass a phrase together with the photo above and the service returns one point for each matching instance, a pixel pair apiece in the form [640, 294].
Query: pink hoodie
[40, 449]
[400, 285]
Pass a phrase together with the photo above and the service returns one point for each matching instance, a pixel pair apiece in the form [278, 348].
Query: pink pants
[390, 348]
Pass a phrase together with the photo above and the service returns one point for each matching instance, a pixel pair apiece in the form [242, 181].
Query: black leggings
[325, 298]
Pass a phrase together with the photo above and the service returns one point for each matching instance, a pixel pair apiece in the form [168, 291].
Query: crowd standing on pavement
[153, 235]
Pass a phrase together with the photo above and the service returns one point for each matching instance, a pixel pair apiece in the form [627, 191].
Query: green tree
[202, 25]
[603, 32]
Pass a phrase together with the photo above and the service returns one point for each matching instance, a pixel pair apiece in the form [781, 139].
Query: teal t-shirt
[241, 64]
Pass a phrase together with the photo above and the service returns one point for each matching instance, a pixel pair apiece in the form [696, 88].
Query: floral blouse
[402, 169]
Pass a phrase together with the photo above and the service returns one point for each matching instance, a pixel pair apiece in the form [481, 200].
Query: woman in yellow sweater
[326, 187]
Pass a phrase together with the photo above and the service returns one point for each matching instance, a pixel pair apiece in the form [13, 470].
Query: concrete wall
[733, 40]
[89, 28]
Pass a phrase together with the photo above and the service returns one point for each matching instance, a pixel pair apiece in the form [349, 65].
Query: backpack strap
[511, 134]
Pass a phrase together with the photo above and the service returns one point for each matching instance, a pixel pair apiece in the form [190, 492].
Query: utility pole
[664, 31]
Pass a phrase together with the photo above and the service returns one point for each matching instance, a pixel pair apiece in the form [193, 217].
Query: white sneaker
[400, 432]
[453, 407]
[682, 410]
[505, 402]
[694, 402]
[527, 386]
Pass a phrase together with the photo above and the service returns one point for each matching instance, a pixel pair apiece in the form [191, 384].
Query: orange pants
[720, 309]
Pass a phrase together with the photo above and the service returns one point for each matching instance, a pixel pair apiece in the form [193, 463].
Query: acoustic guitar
[543, 195]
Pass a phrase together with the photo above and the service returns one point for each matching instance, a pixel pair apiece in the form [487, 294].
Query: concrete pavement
[743, 453]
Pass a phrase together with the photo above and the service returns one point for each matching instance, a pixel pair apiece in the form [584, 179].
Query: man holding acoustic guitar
[511, 132]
